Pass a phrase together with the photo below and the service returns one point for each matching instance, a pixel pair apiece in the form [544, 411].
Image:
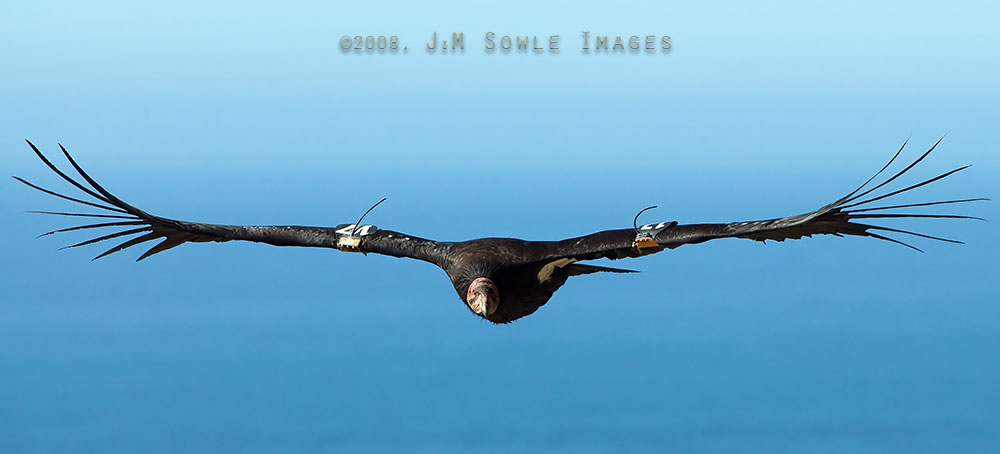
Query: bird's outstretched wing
[143, 227]
[849, 215]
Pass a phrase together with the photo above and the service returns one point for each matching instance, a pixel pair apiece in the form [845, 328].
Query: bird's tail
[577, 269]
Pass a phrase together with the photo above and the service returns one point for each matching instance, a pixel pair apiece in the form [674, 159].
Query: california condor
[504, 279]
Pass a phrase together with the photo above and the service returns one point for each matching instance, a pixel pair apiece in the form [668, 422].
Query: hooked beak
[483, 297]
[482, 302]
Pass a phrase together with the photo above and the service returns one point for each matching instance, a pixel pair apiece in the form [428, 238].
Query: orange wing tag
[645, 235]
[646, 242]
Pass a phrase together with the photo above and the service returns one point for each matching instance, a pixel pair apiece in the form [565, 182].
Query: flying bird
[504, 279]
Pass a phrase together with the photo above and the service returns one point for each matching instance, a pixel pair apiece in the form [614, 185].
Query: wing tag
[349, 236]
[645, 235]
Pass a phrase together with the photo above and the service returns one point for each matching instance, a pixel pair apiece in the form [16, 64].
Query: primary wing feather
[842, 217]
[172, 233]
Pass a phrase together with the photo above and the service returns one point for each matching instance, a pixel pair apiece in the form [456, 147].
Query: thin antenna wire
[358, 224]
[636, 219]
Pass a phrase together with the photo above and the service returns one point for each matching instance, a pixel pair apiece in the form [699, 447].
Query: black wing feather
[174, 232]
[92, 226]
[837, 218]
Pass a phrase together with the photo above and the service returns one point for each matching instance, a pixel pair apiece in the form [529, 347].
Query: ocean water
[816, 368]
[251, 114]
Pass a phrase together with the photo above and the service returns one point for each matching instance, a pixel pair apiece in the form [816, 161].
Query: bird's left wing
[145, 227]
[850, 215]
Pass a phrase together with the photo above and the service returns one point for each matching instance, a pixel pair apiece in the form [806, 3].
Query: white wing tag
[349, 236]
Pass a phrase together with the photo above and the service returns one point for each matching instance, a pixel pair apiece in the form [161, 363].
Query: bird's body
[523, 284]
[501, 279]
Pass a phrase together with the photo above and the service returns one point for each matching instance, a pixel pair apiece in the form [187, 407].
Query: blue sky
[251, 113]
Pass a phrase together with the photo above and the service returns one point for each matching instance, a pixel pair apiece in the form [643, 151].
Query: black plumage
[503, 279]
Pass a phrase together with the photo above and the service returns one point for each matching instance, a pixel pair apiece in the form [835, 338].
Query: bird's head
[483, 297]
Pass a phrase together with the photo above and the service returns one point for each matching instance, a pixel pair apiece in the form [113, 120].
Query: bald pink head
[483, 297]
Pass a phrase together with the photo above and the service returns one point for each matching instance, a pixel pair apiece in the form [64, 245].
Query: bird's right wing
[144, 227]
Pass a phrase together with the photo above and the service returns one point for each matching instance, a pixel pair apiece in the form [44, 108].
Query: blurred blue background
[250, 113]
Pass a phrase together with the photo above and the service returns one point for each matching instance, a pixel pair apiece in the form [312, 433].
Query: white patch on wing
[546, 272]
